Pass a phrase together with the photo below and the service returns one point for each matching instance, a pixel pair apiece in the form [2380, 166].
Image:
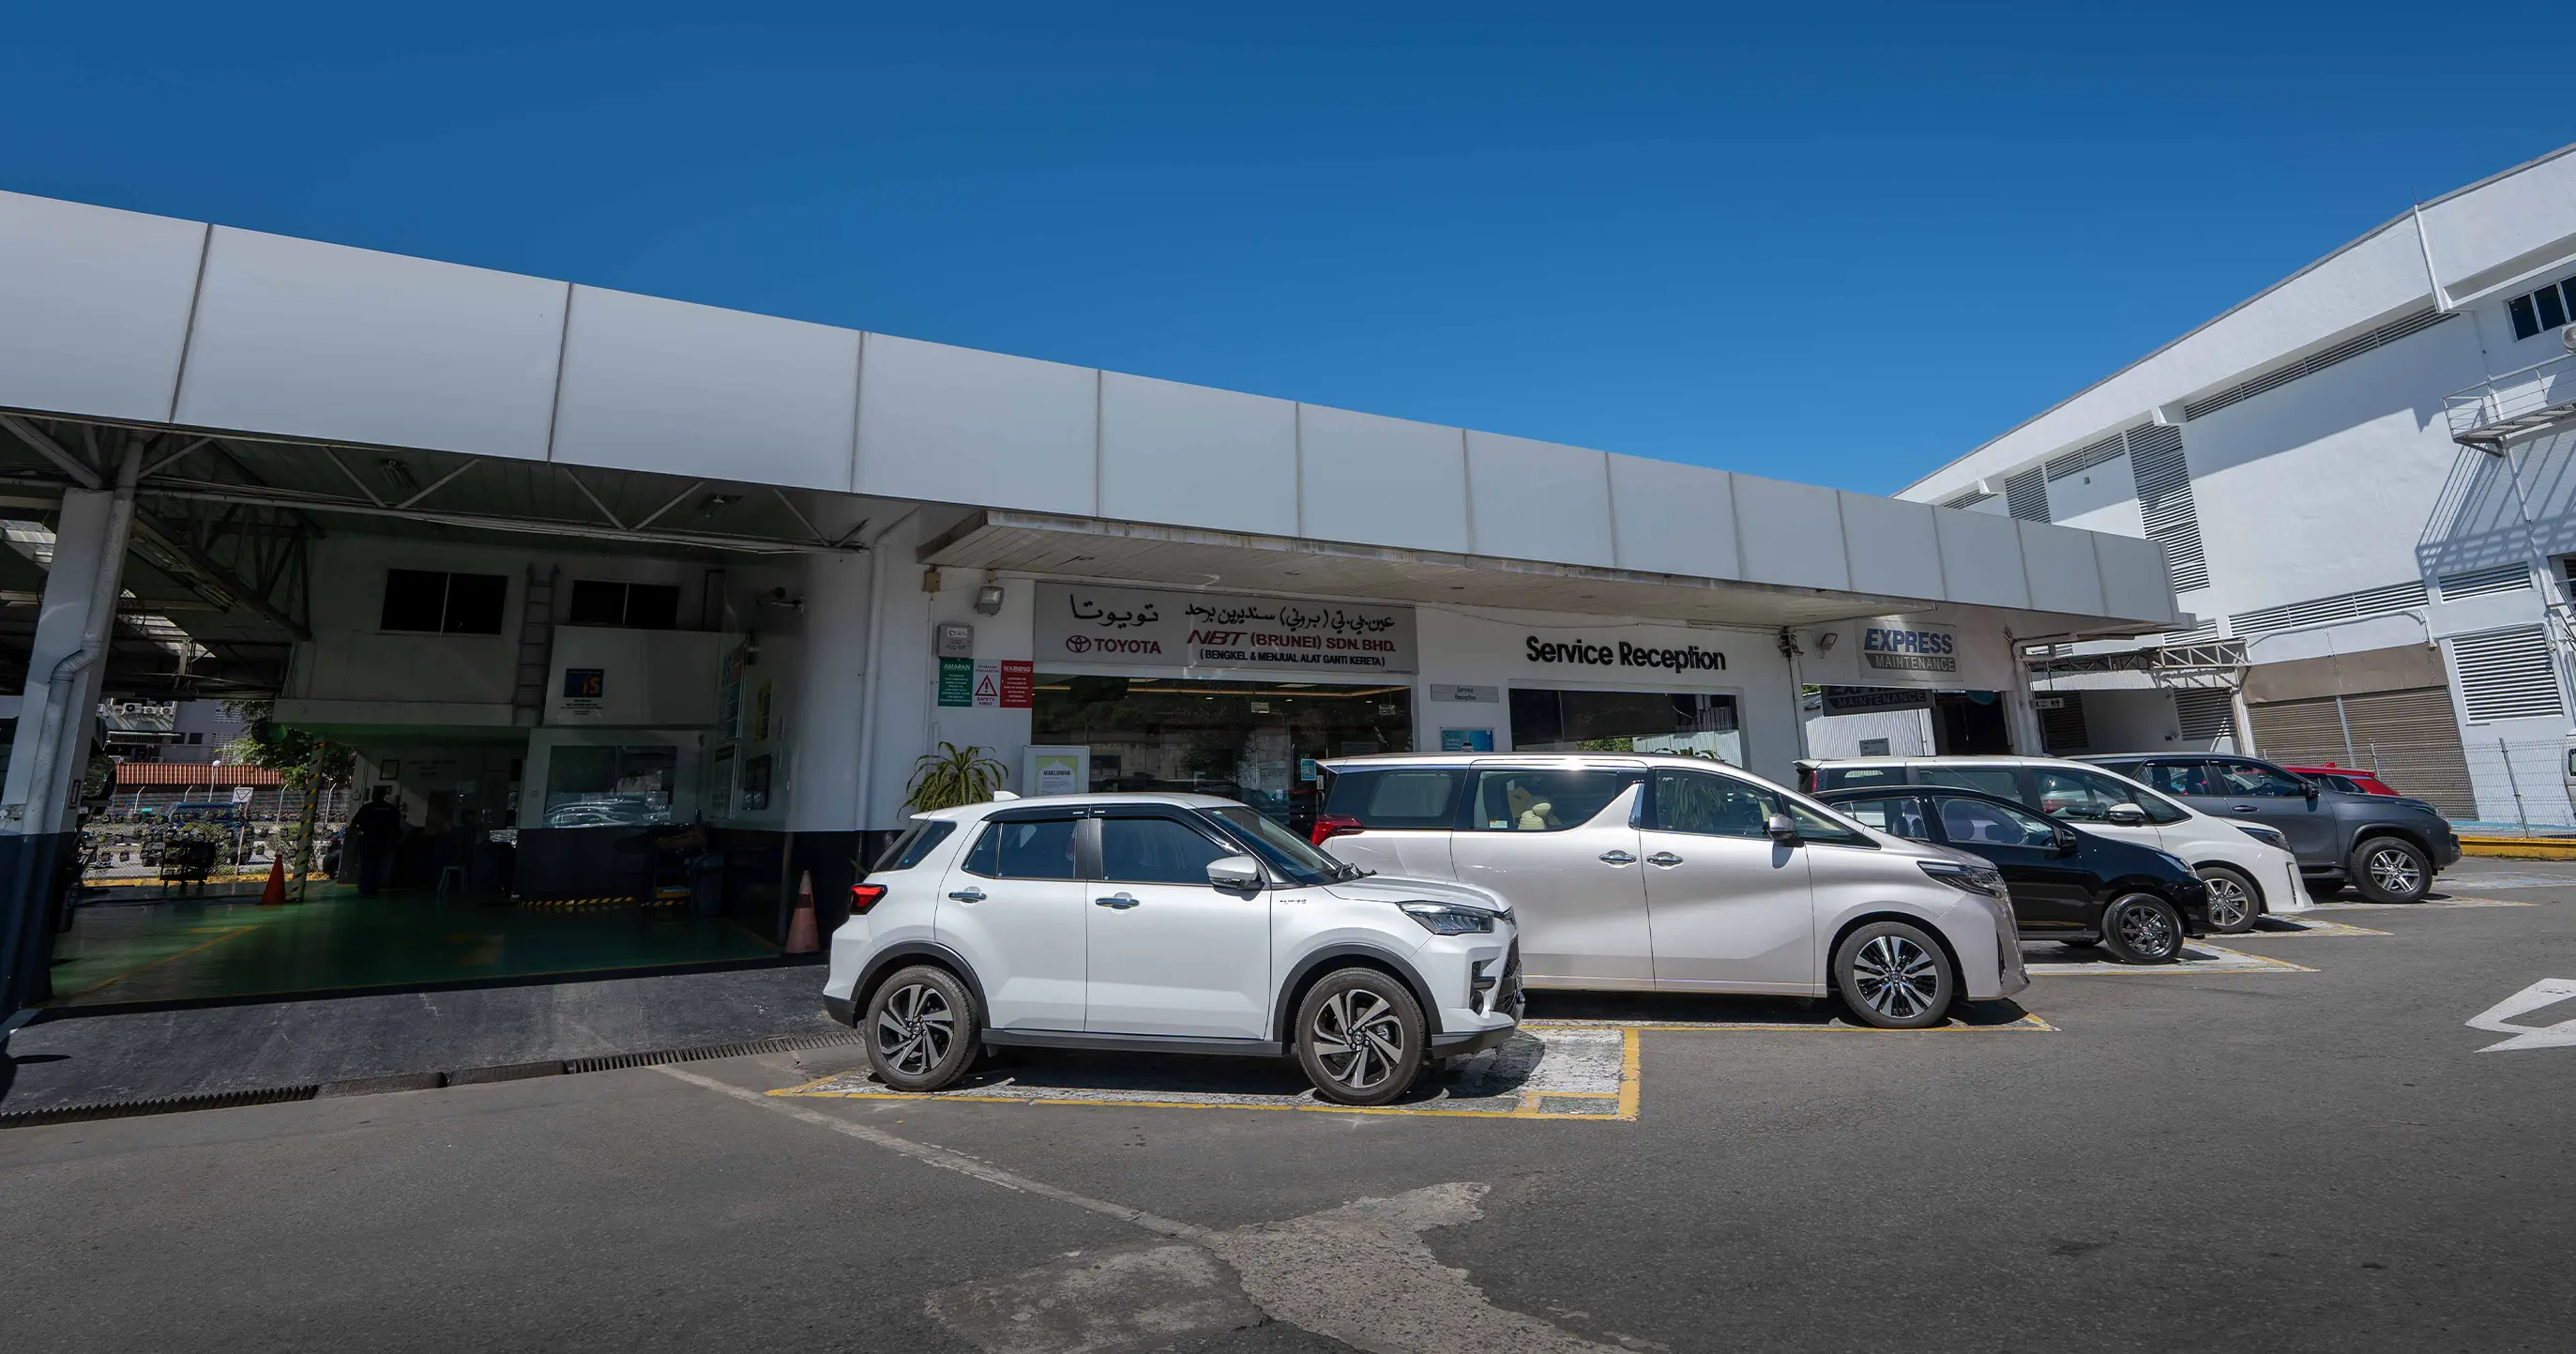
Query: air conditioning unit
[2568, 337]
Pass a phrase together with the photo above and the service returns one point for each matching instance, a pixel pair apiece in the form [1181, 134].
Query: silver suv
[1679, 874]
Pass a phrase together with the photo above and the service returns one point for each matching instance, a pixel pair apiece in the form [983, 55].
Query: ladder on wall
[536, 647]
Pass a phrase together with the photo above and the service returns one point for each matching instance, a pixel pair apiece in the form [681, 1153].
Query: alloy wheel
[2393, 870]
[1358, 1038]
[2145, 930]
[2229, 905]
[915, 1029]
[1897, 977]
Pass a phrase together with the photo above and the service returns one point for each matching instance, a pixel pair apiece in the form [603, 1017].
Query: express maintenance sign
[1147, 627]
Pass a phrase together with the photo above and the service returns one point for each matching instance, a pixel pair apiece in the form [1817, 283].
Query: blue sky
[1841, 246]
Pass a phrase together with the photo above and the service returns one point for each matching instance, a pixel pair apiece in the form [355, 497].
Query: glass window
[2553, 311]
[1026, 848]
[474, 603]
[1691, 723]
[1859, 777]
[1280, 848]
[1896, 815]
[1156, 851]
[415, 599]
[603, 786]
[2178, 778]
[2087, 797]
[917, 841]
[1975, 822]
[2001, 781]
[2344, 783]
[2255, 780]
[1544, 801]
[2525, 324]
[1424, 798]
[1711, 806]
[635, 606]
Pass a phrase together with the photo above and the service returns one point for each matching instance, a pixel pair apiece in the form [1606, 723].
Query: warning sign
[988, 684]
[956, 681]
[1019, 684]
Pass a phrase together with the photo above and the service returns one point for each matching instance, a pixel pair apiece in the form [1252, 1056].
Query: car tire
[2391, 870]
[1893, 975]
[2140, 928]
[921, 1029]
[2234, 902]
[1360, 1037]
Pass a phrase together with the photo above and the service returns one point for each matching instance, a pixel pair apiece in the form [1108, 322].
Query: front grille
[1510, 990]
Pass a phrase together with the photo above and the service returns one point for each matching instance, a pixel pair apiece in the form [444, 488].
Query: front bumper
[841, 1009]
[1464, 1042]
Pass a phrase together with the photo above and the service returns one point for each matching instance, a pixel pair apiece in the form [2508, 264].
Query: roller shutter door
[2409, 737]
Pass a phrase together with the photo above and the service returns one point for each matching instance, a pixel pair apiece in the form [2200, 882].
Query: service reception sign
[1145, 627]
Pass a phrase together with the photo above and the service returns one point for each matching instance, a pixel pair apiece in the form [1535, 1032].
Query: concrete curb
[2520, 848]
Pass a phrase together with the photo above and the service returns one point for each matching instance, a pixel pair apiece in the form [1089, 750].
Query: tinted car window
[2176, 778]
[1544, 801]
[2255, 780]
[1994, 780]
[1711, 806]
[1156, 851]
[1974, 822]
[1898, 815]
[2087, 797]
[1024, 849]
[1859, 777]
[917, 841]
[1414, 798]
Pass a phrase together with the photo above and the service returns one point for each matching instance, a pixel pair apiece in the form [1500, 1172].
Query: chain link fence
[2522, 786]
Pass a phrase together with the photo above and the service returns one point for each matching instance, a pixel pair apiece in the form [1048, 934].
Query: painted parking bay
[1573, 1068]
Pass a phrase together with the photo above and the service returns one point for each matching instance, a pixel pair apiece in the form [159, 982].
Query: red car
[2342, 778]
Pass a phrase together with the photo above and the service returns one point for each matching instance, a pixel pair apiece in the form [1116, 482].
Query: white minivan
[2249, 867]
[1668, 873]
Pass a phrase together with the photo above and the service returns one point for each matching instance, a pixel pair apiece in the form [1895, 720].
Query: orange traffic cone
[801, 938]
[275, 893]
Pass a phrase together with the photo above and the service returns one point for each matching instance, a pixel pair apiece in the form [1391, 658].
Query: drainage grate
[167, 1104]
[421, 1081]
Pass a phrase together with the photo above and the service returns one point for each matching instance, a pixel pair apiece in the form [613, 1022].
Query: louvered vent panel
[1969, 499]
[2085, 458]
[2481, 582]
[2026, 495]
[2061, 729]
[2348, 606]
[2164, 500]
[2316, 362]
[2507, 674]
[2205, 715]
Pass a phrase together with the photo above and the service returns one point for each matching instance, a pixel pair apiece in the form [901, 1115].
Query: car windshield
[1281, 849]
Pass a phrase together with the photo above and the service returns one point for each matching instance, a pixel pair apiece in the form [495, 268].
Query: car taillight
[1331, 825]
[863, 897]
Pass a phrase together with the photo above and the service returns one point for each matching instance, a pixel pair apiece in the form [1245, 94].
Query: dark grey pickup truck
[2388, 848]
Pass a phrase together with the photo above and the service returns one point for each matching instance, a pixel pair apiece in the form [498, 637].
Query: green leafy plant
[953, 776]
[306, 761]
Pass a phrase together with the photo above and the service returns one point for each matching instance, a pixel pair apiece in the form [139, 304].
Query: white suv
[1676, 873]
[2248, 867]
[1180, 923]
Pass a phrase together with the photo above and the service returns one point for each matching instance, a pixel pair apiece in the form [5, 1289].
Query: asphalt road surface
[2312, 1153]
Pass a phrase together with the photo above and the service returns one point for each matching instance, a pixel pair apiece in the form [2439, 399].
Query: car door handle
[2247, 808]
[1664, 858]
[968, 895]
[1618, 858]
[1122, 902]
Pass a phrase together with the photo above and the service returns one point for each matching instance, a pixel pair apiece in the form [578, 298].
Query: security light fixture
[398, 473]
[988, 600]
[1827, 640]
[716, 503]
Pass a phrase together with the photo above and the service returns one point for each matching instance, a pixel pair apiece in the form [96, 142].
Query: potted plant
[953, 776]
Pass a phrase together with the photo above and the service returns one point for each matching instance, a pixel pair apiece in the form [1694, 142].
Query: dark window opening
[1688, 722]
[632, 606]
[2542, 309]
[429, 601]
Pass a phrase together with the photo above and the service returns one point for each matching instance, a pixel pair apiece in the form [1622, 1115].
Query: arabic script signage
[1145, 627]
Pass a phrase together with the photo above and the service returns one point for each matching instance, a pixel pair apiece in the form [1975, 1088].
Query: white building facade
[2363, 482]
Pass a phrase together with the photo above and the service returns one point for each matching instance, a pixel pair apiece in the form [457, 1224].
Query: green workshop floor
[233, 947]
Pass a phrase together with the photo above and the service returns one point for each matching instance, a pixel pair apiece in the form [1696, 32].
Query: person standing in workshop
[374, 830]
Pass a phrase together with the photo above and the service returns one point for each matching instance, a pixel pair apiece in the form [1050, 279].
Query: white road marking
[2042, 960]
[2428, 905]
[2504, 880]
[1359, 1273]
[2546, 992]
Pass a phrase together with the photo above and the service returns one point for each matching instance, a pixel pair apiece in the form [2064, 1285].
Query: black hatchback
[2067, 885]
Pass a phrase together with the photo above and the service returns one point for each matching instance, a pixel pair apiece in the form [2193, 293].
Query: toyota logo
[1078, 643]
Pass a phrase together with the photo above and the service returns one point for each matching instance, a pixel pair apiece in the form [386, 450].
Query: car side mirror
[1235, 874]
[2125, 815]
[1783, 829]
[2311, 787]
[2067, 841]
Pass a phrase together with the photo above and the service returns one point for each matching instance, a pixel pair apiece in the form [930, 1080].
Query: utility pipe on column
[44, 792]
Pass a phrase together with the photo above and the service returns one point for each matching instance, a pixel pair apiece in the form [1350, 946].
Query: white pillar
[67, 662]
[828, 690]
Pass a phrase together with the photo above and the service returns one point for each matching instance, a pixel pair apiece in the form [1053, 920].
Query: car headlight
[2265, 835]
[1449, 919]
[1982, 879]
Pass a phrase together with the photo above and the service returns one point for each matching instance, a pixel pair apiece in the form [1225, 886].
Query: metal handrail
[2511, 395]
